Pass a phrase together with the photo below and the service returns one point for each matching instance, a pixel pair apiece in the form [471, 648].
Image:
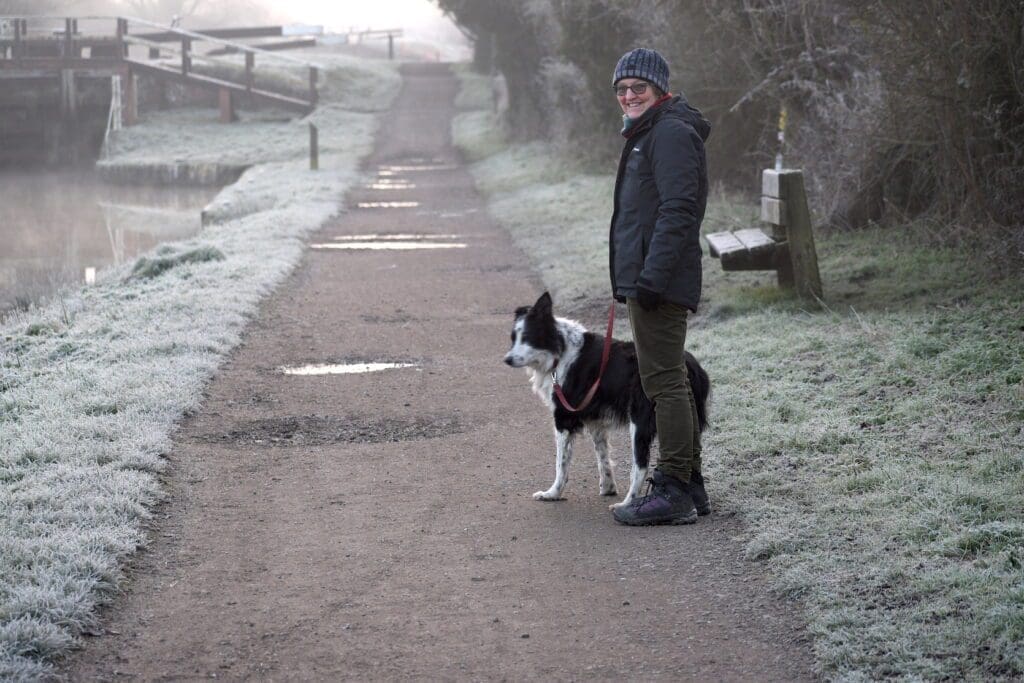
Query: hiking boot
[667, 501]
[699, 495]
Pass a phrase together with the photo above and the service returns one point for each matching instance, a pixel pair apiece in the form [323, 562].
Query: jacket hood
[679, 108]
[676, 107]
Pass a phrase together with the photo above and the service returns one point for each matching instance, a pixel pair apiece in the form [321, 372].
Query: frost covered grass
[195, 136]
[92, 384]
[873, 443]
[477, 125]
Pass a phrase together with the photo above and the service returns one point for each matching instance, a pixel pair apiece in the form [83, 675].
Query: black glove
[649, 300]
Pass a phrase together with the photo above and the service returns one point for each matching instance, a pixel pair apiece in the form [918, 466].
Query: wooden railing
[58, 43]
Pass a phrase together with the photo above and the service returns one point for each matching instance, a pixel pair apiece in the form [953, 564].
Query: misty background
[59, 224]
[419, 19]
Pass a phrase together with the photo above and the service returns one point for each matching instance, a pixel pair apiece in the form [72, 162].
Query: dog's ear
[522, 311]
[543, 304]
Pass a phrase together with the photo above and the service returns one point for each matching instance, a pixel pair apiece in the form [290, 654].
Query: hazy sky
[341, 15]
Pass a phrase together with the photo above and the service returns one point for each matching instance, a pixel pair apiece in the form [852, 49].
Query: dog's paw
[620, 504]
[609, 490]
[547, 495]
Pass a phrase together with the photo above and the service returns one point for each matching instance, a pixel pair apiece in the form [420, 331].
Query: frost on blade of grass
[872, 443]
[149, 267]
[92, 384]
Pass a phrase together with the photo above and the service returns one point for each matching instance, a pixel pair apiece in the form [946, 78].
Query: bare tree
[521, 34]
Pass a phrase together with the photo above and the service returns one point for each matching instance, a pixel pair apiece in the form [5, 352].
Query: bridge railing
[39, 39]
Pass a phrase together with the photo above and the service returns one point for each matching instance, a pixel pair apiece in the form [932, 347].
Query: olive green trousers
[660, 336]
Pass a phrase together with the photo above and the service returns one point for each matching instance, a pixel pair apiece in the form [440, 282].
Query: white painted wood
[770, 183]
[755, 239]
[723, 243]
[773, 211]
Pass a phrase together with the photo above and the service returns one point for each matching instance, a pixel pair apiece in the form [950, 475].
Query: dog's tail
[700, 384]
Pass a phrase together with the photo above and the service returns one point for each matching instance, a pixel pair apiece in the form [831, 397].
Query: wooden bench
[788, 245]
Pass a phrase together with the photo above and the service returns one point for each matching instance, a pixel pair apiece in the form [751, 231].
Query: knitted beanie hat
[643, 63]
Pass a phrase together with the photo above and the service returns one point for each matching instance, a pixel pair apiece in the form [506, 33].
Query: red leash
[604, 362]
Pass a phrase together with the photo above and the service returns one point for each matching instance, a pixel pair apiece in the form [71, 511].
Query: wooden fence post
[186, 55]
[227, 107]
[250, 64]
[16, 49]
[69, 39]
[314, 148]
[122, 29]
[130, 98]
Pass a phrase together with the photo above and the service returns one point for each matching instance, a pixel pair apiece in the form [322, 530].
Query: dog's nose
[510, 361]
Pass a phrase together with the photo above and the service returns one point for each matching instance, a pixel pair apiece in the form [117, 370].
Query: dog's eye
[513, 337]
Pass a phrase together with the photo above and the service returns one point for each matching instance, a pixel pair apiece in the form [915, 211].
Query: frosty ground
[92, 383]
[873, 442]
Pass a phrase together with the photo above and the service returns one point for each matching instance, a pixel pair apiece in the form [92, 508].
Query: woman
[655, 258]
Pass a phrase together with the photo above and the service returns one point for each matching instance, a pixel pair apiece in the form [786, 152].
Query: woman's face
[634, 105]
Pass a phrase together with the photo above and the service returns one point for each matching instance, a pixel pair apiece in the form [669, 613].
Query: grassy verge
[872, 443]
[92, 385]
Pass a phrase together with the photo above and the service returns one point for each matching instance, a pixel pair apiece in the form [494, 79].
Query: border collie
[557, 350]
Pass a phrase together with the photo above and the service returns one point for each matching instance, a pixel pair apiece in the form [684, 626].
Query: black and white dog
[563, 351]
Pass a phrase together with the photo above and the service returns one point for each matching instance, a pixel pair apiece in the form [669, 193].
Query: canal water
[60, 227]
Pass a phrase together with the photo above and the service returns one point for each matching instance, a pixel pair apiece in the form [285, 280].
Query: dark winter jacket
[660, 193]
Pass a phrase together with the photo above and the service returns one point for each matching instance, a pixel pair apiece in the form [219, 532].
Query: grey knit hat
[643, 63]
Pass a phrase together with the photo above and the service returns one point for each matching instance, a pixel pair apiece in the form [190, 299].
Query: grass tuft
[150, 267]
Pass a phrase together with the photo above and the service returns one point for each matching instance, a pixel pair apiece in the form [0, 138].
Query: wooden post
[313, 95]
[186, 57]
[314, 148]
[122, 29]
[16, 48]
[130, 98]
[250, 63]
[801, 268]
[227, 108]
[69, 40]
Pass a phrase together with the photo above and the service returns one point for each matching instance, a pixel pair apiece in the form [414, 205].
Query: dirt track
[380, 526]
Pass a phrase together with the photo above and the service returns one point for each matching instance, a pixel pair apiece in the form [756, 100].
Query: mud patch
[397, 319]
[313, 430]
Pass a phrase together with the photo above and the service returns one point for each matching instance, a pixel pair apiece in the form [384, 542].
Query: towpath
[379, 526]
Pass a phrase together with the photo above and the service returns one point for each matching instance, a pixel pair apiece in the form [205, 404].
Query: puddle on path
[418, 167]
[387, 205]
[377, 237]
[380, 185]
[396, 245]
[341, 368]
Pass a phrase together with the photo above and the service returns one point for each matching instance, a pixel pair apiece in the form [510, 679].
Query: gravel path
[380, 526]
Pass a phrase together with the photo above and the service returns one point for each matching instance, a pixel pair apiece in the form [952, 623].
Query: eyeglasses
[637, 88]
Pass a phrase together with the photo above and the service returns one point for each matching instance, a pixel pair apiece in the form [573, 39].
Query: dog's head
[536, 342]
